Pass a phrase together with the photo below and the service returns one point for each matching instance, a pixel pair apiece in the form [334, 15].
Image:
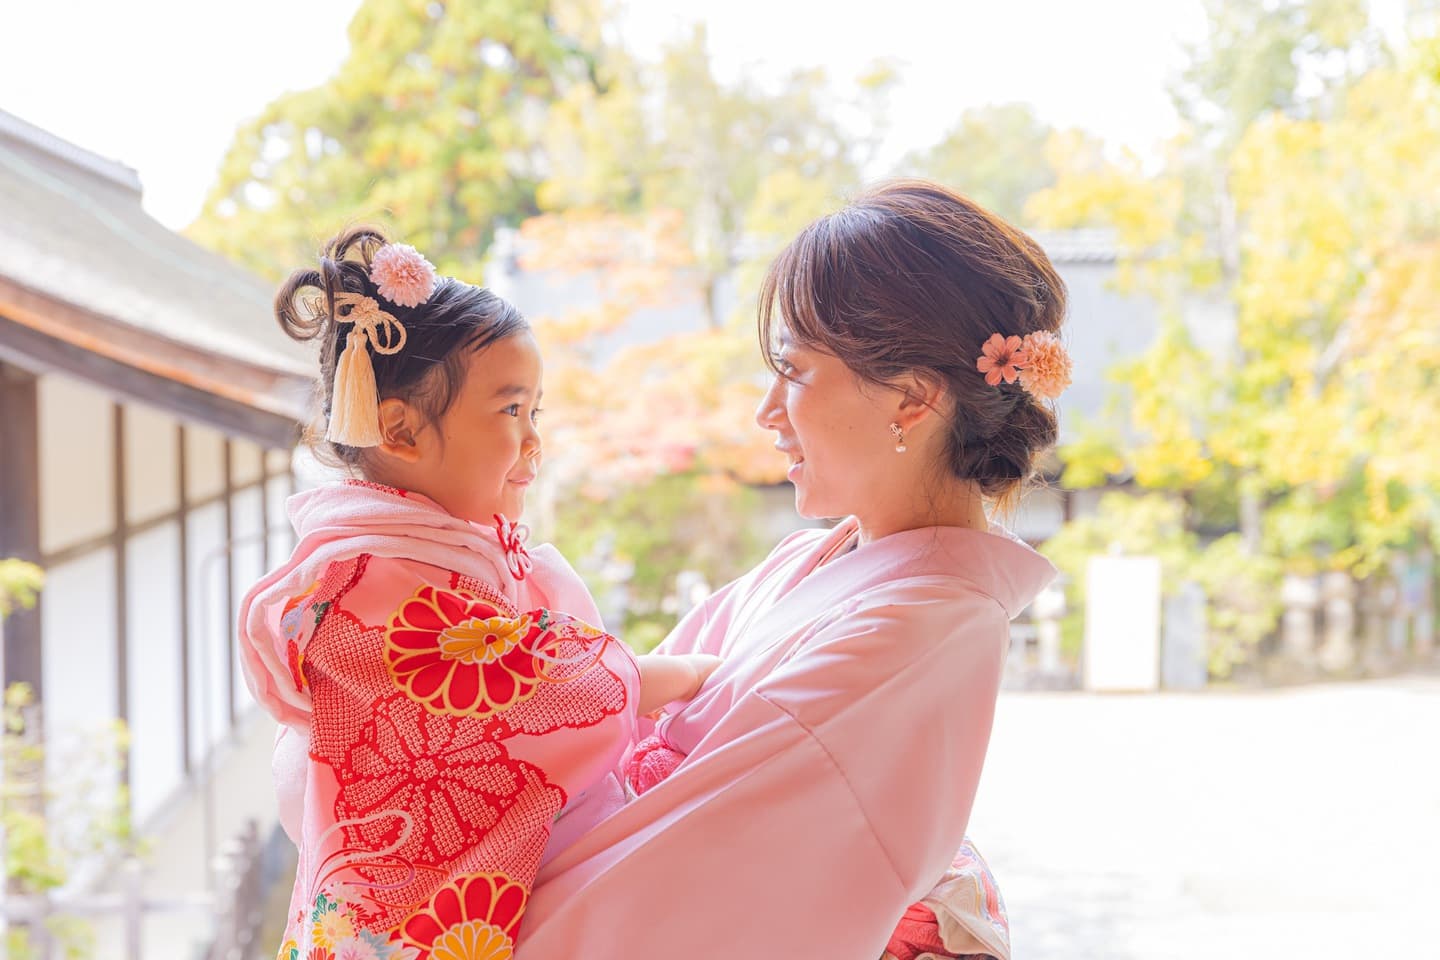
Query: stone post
[1337, 592]
[1048, 609]
[1423, 574]
[1301, 599]
[1377, 601]
[1184, 652]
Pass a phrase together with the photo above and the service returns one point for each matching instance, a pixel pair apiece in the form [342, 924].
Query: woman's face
[836, 431]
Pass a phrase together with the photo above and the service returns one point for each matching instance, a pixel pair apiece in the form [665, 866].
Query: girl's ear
[399, 428]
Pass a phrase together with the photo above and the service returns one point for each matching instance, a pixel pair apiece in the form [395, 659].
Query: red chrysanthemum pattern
[465, 655]
[473, 918]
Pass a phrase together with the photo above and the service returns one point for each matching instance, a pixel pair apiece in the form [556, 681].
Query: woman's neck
[961, 505]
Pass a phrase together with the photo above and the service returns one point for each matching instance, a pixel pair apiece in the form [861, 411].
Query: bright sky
[161, 85]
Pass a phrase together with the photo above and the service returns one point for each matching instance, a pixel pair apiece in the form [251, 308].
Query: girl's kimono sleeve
[828, 799]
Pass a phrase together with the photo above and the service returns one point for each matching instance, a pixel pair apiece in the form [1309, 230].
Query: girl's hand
[663, 679]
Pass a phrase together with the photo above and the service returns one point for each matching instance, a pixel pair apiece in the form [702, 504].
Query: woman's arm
[741, 855]
[839, 788]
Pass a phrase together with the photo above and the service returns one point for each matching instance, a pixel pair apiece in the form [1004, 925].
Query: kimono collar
[338, 521]
[998, 563]
[355, 507]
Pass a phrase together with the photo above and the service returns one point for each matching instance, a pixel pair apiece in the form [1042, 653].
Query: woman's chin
[807, 506]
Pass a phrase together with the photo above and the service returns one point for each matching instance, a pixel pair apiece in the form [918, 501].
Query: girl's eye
[535, 415]
[512, 411]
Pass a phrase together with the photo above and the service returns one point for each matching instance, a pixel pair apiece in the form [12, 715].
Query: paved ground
[1296, 823]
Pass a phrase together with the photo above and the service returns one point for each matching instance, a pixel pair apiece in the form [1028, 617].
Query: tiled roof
[72, 228]
[1078, 246]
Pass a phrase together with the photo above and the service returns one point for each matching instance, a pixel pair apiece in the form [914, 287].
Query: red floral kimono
[455, 695]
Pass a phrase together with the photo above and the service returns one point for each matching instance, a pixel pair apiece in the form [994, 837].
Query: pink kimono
[829, 765]
[446, 696]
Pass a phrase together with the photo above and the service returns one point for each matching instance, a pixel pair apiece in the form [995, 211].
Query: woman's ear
[919, 398]
[399, 428]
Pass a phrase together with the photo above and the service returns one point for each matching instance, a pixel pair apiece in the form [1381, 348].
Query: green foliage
[995, 155]
[644, 634]
[1151, 525]
[1242, 589]
[672, 523]
[48, 828]
[1260, 56]
[430, 123]
[741, 162]
[1305, 199]
[20, 582]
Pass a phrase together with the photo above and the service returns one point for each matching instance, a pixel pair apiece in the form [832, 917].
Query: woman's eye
[781, 364]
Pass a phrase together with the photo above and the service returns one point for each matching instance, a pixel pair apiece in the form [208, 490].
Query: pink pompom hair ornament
[1046, 372]
[1038, 361]
[402, 275]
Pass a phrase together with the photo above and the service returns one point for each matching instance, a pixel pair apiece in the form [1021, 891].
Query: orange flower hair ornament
[1037, 360]
[404, 277]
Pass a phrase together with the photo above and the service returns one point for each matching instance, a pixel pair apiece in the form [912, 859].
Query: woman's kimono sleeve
[705, 628]
[701, 630]
[771, 841]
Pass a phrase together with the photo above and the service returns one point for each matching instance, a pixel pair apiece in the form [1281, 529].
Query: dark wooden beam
[83, 548]
[35, 351]
[20, 516]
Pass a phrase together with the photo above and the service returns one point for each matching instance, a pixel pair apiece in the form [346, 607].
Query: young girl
[446, 693]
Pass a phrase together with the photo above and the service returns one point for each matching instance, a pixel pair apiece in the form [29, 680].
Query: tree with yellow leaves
[1306, 198]
[431, 122]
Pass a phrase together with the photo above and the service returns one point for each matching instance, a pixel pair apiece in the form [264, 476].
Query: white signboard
[1122, 624]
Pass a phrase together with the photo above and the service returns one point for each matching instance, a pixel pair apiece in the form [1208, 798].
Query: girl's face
[481, 456]
[836, 432]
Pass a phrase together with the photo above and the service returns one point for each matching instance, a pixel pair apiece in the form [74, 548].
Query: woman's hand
[664, 678]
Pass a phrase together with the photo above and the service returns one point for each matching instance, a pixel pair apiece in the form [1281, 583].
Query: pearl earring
[899, 437]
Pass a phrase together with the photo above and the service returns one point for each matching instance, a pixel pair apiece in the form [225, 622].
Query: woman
[823, 778]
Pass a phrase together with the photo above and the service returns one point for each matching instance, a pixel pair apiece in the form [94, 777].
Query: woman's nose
[767, 414]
